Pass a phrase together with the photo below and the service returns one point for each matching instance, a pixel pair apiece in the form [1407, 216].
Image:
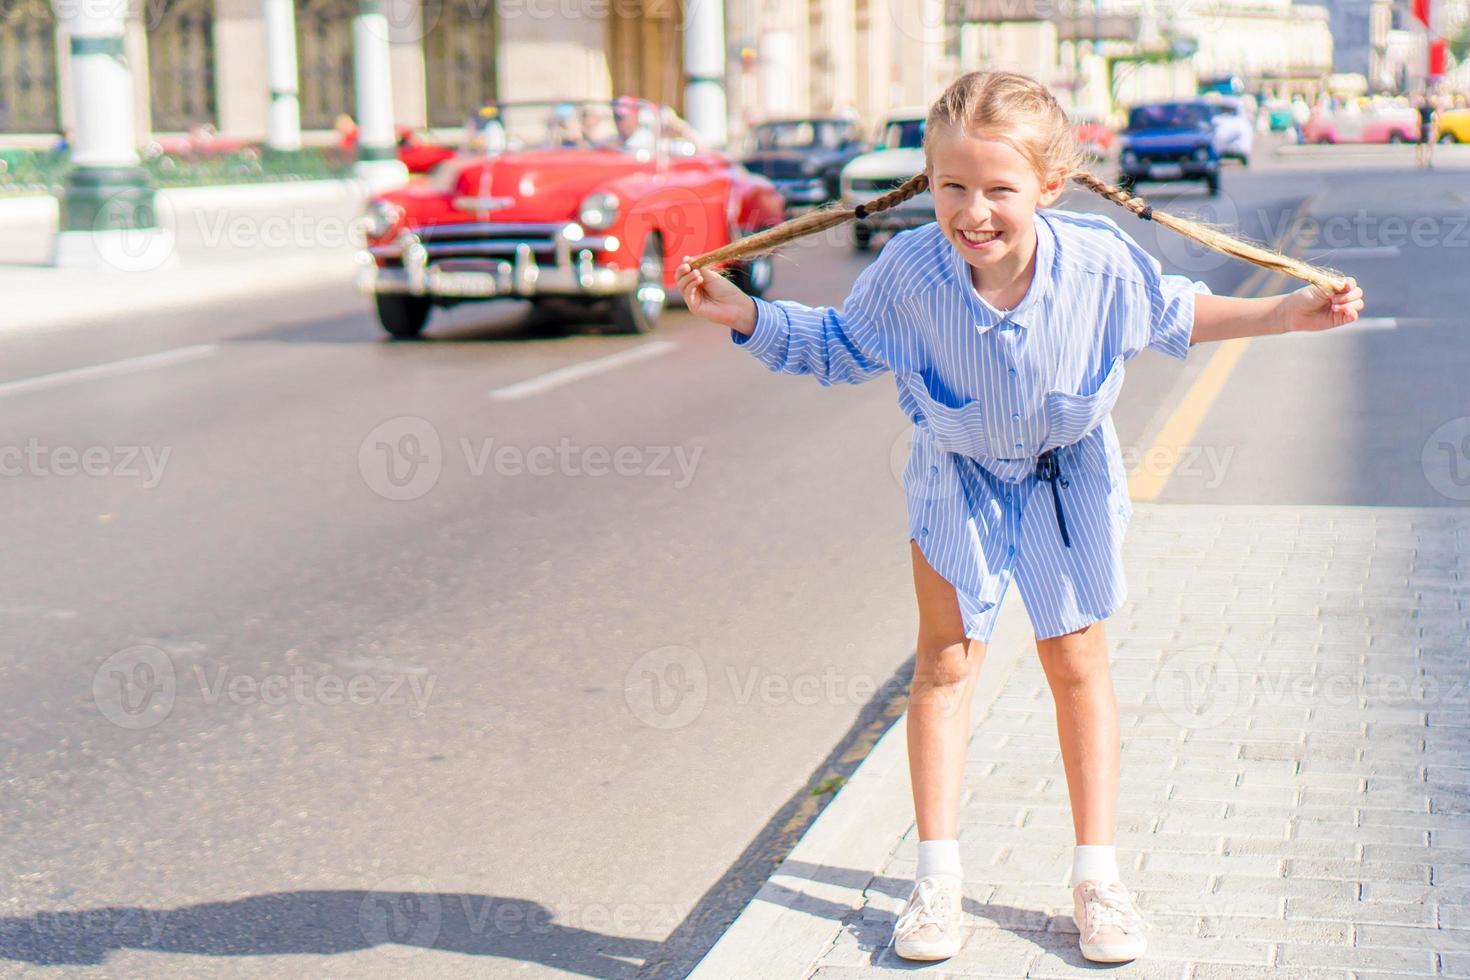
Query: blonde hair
[1019, 110]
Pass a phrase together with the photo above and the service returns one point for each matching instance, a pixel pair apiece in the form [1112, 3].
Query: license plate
[464, 283]
[1165, 171]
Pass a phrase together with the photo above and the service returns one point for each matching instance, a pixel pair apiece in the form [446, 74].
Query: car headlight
[1202, 154]
[379, 218]
[598, 211]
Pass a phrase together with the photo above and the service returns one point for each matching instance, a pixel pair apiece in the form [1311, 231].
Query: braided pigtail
[1328, 279]
[809, 224]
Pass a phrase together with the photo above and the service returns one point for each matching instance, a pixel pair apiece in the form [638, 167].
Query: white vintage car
[899, 155]
[1235, 135]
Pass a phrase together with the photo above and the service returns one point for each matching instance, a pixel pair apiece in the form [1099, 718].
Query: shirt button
[1011, 372]
[1011, 550]
[1015, 417]
[923, 532]
[1019, 446]
[933, 470]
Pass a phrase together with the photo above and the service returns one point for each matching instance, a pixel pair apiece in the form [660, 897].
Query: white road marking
[561, 376]
[1370, 323]
[111, 369]
[1362, 252]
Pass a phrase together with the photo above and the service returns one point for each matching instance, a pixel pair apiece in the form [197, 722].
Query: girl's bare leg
[1077, 670]
[946, 666]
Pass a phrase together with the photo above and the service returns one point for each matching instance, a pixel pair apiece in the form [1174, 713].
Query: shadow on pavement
[325, 922]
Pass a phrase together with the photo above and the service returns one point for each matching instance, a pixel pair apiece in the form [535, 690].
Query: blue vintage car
[1169, 141]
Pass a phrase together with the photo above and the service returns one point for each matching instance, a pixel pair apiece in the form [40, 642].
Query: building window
[459, 59]
[645, 50]
[28, 68]
[324, 58]
[181, 64]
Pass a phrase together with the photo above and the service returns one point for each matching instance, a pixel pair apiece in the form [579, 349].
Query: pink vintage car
[592, 203]
[1374, 123]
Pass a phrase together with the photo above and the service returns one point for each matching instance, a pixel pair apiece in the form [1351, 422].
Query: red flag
[1437, 56]
[1420, 9]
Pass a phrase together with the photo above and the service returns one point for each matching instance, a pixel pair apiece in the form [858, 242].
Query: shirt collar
[1029, 309]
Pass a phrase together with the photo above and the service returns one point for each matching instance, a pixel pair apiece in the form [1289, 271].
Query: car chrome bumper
[574, 272]
[1162, 170]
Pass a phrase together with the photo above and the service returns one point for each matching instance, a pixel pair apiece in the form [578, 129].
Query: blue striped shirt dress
[1016, 471]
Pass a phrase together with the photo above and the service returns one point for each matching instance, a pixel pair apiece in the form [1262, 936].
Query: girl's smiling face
[985, 199]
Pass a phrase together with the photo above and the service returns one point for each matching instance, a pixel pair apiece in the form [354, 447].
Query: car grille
[447, 243]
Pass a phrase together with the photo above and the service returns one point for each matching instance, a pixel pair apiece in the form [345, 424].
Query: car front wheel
[1212, 182]
[638, 311]
[1447, 138]
[403, 316]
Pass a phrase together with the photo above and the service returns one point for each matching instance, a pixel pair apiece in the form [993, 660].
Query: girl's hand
[712, 296]
[1314, 308]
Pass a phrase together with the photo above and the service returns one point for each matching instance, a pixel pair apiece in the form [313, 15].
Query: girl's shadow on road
[324, 922]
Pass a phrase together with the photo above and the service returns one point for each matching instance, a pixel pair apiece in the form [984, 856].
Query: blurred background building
[202, 62]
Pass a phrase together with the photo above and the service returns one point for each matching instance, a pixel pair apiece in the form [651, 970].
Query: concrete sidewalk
[1296, 772]
[229, 243]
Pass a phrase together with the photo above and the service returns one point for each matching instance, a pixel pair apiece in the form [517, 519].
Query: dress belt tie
[1050, 470]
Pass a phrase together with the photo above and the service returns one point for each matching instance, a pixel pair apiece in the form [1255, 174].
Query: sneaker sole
[926, 952]
[1101, 953]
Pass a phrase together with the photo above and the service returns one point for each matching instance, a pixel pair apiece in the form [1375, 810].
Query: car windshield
[1168, 115]
[799, 135]
[904, 134]
[626, 125]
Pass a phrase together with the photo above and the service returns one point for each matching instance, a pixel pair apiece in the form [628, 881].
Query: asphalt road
[328, 656]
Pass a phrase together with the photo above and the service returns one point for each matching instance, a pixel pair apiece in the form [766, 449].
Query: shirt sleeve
[833, 347]
[1168, 298]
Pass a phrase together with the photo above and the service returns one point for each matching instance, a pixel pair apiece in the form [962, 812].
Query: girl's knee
[1075, 659]
[946, 662]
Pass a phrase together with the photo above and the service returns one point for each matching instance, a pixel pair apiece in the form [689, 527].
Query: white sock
[1096, 861]
[939, 857]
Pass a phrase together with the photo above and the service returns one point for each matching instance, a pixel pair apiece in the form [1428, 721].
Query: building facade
[202, 62]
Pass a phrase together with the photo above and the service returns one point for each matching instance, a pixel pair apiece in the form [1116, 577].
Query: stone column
[281, 73]
[377, 151]
[108, 214]
[704, 67]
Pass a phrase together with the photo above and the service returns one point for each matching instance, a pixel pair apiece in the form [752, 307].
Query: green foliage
[42, 171]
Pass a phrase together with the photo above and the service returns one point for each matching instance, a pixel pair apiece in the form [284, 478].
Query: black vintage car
[804, 157]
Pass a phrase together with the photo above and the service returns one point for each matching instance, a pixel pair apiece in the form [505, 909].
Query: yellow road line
[1158, 464]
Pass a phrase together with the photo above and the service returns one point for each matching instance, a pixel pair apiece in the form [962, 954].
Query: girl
[1006, 328]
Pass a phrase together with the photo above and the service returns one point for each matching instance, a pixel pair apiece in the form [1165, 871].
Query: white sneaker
[932, 924]
[1110, 928]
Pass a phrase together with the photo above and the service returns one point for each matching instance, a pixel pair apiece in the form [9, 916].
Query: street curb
[797, 914]
[35, 208]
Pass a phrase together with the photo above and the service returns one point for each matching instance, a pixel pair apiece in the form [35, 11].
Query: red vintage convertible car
[588, 203]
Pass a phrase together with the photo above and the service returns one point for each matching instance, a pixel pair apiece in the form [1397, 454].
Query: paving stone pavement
[1295, 802]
